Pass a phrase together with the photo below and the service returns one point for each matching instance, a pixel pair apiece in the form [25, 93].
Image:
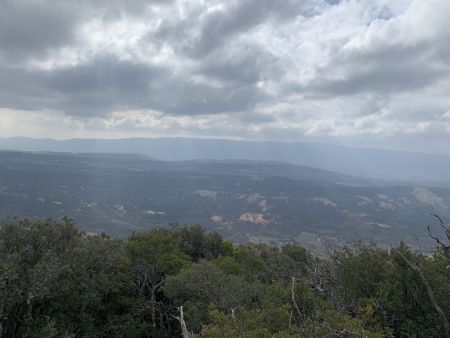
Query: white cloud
[354, 70]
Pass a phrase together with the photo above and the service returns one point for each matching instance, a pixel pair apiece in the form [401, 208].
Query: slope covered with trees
[242, 200]
[56, 281]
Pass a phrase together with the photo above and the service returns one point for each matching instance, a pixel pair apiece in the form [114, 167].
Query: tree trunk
[295, 302]
[153, 299]
[184, 330]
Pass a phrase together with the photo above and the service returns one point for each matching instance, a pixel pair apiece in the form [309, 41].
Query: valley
[270, 202]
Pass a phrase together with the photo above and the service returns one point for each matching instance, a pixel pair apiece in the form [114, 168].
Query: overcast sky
[359, 72]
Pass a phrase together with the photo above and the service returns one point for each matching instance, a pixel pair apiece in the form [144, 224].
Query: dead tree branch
[293, 299]
[441, 223]
[180, 318]
[445, 247]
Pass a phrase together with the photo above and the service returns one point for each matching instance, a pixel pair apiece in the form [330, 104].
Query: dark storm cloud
[31, 28]
[20, 90]
[105, 74]
[88, 89]
[102, 85]
[107, 84]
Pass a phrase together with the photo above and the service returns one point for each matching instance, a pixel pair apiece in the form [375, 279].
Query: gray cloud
[239, 17]
[278, 69]
[107, 84]
[89, 89]
[384, 70]
[102, 86]
[30, 28]
[216, 28]
[188, 99]
[382, 80]
[245, 66]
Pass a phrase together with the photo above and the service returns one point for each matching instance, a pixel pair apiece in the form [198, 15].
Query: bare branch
[293, 299]
[442, 224]
[232, 313]
[445, 247]
[439, 219]
[435, 238]
[419, 244]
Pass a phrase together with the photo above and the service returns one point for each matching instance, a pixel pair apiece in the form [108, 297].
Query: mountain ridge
[365, 162]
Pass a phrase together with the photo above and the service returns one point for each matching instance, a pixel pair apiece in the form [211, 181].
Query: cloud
[251, 68]
[101, 86]
[241, 66]
[107, 84]
[393, 55]
[382, 79]
[213, 26]
[31, 28]
[220, 25]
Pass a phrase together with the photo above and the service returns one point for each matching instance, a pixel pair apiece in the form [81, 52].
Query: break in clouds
[359, 71]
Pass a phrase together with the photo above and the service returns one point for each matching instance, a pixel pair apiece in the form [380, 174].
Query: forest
[183, 281]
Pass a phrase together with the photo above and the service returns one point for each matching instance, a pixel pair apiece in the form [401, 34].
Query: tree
[154, 255]
[199, 244]
[202, 286]
[33, 259]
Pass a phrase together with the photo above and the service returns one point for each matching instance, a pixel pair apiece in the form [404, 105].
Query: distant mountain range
[375, 163]
[244, 200]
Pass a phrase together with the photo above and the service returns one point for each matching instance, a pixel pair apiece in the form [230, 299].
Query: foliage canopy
[56, 281]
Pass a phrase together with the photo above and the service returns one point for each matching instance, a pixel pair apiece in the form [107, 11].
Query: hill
[243, 200]
[377, 163]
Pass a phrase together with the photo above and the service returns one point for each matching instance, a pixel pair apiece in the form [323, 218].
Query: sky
[358, 72]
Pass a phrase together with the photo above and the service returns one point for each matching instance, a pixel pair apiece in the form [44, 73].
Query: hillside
[243, 200]
[377, 163]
